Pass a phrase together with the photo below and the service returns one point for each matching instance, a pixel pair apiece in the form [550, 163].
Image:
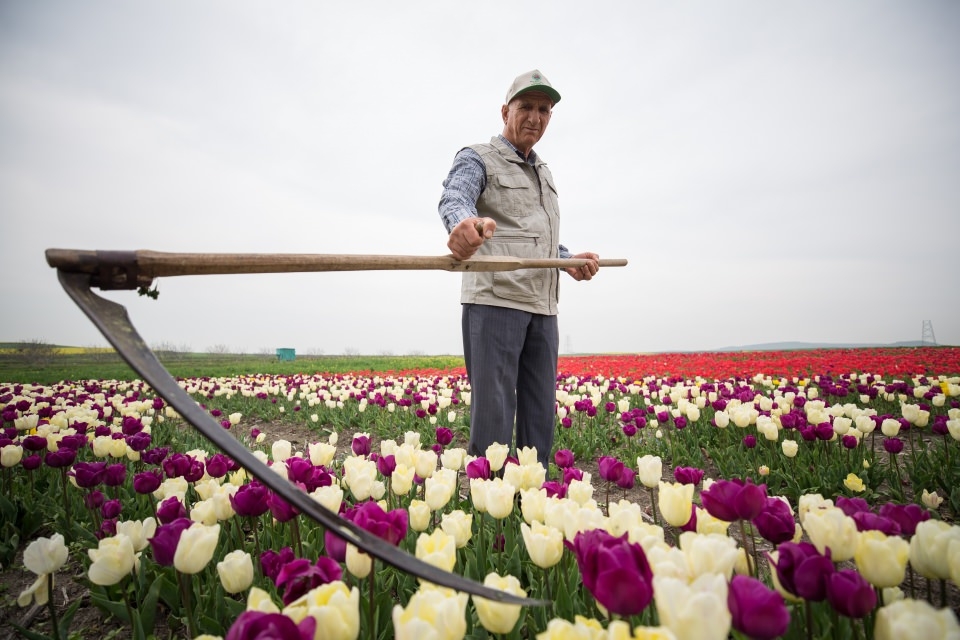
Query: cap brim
[549, 91]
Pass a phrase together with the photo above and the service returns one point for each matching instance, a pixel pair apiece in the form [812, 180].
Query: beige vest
[523, 201]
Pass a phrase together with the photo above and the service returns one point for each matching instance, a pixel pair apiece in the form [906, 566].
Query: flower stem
[187, 601]
[53, 610]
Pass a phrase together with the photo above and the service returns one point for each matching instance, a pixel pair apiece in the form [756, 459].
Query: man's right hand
[468, 235]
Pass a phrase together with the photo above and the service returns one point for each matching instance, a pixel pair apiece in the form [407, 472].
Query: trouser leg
[537, 387]
[492, 342]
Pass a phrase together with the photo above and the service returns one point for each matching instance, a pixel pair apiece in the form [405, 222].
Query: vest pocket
[519, 195]
[522, 285]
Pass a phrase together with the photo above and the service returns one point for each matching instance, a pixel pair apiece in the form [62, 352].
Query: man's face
[525, 119]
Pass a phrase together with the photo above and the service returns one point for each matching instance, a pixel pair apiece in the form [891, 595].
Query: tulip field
[806, 494]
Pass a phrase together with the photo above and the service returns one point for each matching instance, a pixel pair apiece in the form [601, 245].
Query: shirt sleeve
[462, 188]
[563, 252]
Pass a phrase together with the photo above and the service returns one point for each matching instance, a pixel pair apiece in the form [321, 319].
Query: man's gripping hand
[468, 235]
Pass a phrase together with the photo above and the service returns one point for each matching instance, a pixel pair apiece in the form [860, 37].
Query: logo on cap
[535, 78]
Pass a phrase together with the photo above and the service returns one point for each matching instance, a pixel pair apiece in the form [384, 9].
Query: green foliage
[100, 366]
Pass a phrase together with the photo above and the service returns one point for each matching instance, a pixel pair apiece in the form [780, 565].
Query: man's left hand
[587, 271]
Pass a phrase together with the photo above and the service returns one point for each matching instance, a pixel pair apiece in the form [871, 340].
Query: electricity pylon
[926, 336]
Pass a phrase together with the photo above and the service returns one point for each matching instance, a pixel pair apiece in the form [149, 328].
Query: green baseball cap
[532, 81]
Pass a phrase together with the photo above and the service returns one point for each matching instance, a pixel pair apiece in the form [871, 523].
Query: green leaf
[67, 618]
[26, 633]
[148, 608]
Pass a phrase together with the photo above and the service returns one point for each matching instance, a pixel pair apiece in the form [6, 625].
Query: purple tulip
[361, 445]
[388, 525]
[680, 422]
[88, 474]
[94, 499]
[177, 465]
[555, 489]
[850, 594]
[824, 431]
[688, 475]
[893, 445]
[300, 576]
[850, 506]
[111, 508]
[691, 524]
[256, 625]
[849, 442]
[802, 571]
[386, 465]
[750, 441]
[165, 540]
[75, 441]
[615, 571]
[147, 481]
[139, 441]
[31, 463]
[444, 436]
[756, 610]
[335, 545]
[809, 434]
[250, 500]
[62, 457]
[479, 468]
[775, 522]
[868, 521]
[115, 475]
[217, 465]
[271, 562]
[572, 473]
[610, 468]
[908, 516]
[171, 509]
[281, 510]
[155, 456]
[34, 443]
[627, 478]
[131, 425]
[564, 458]
[732, 500]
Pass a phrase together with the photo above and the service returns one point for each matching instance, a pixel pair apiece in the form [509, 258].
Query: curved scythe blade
[114, 323]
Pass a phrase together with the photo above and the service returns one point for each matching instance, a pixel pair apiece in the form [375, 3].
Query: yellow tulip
[498, 498]
[236, 571]
[334, 606]
[432, 612]
[438, 548]
[10, 455]
[929, 548]
[854, 483]
[695, 610]
[419, 515]
[676, 502]
[915, 619]
[45, 555]
[459, 525]
[650, 471]
[497, 454]
[497, 617]
[112, 560]
[544, 544]
[831, 527]
[196, 547]
[881, 559]
[359, 564]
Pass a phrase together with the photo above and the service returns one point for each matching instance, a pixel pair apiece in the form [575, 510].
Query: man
[499, 199]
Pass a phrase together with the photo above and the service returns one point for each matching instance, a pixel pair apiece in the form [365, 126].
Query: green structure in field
[286, 354]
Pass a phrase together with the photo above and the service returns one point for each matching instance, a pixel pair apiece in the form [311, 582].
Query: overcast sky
[773, 171]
